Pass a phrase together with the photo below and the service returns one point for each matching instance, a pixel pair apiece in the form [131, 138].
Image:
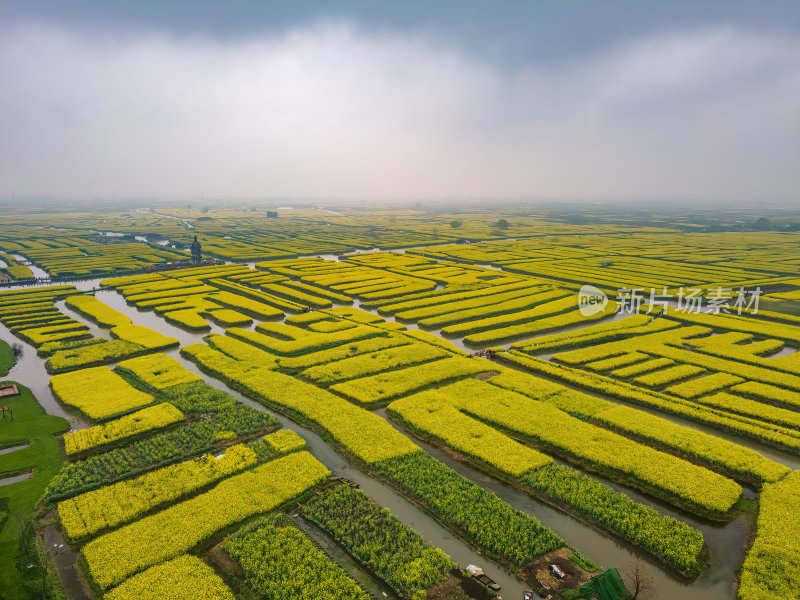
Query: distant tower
[197, 258]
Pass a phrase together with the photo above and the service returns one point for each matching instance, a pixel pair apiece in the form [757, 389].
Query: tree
[455, 224]
[33, 555]
[502, 224]
[639, 580]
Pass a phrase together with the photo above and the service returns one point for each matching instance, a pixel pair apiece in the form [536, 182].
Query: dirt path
[65, 560]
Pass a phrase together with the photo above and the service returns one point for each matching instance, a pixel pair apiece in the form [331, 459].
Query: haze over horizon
[452, 100]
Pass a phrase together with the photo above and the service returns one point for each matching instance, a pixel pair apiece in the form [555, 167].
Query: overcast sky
[680, 100]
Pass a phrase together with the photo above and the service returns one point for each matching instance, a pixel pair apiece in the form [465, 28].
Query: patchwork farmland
[365, 402]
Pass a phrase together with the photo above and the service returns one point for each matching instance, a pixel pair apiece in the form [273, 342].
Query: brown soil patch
[458, 587]
[537, 573]
[486, 375]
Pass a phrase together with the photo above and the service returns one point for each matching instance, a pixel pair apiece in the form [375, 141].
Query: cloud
[333, 111]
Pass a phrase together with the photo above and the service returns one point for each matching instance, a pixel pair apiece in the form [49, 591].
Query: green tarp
[608, 585]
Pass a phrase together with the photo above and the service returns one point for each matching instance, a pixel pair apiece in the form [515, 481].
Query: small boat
[527, 595]
[478, 574]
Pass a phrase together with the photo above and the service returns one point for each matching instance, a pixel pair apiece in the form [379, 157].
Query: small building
[8, 390]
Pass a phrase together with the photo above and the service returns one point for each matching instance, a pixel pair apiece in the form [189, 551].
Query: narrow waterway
[16, 478]
[367, 580]
[9, 449]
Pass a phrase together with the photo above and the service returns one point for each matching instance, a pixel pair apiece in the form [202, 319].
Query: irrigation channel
[726, 541]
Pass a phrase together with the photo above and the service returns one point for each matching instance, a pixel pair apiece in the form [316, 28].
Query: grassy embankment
[42, 457]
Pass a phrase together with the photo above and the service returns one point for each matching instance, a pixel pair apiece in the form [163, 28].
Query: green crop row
[280, 561]
[676, 543]
[371, 534]
[491, 525]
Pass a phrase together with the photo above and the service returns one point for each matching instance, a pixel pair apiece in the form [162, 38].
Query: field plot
[98, 392]
[279, 561]
[393, 551]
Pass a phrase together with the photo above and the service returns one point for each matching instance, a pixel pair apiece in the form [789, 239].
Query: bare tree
[639, 580]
